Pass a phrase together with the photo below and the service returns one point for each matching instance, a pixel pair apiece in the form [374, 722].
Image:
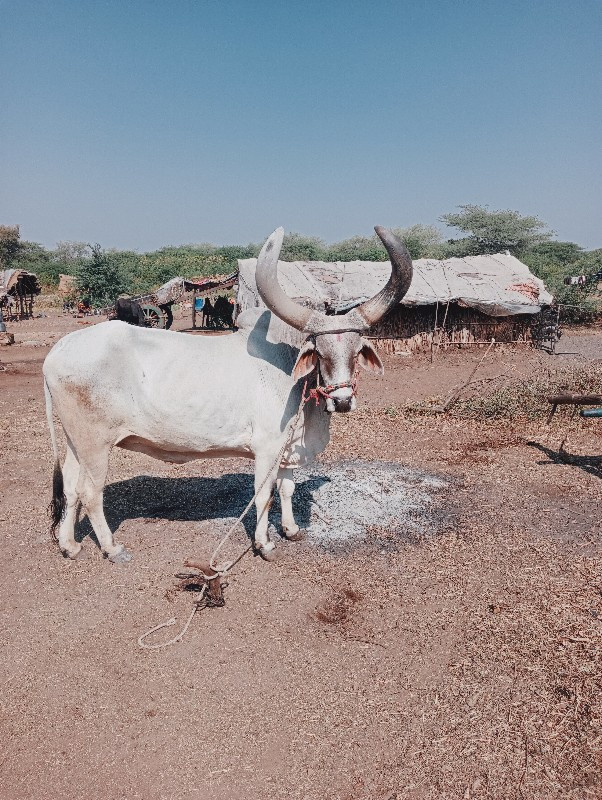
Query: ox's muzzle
[341, 400]
[339, 397]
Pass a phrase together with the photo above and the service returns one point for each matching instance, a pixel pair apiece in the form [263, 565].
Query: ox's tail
[56, 509]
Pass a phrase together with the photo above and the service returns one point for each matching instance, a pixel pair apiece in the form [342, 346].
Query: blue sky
[139, 124]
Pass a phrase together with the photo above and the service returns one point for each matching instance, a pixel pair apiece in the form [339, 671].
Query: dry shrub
[527, 399]
[505, 398]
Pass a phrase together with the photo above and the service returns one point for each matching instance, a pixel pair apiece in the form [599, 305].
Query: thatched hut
[461, 301]
[18, 288]
[208, 287]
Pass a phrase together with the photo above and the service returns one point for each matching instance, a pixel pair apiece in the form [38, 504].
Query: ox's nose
[340, 404]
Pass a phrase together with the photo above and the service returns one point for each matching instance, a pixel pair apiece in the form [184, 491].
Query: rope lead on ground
[168, 624]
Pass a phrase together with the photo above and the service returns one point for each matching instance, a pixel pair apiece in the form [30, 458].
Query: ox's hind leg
[90, 487]
[69, 547]
[286, 489]
[265, 478]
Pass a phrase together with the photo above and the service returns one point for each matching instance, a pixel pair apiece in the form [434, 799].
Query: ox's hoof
[72, 552]
[122, 557]
[294, 537]
[268, 552]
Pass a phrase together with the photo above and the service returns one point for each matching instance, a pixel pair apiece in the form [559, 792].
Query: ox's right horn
[270, 291]
[401, 276]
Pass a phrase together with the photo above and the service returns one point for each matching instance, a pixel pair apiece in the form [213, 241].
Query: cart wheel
[153, 316]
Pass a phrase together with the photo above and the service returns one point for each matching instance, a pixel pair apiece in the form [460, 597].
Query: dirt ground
[461, 662]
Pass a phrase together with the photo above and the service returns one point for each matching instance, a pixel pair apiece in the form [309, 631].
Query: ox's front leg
[265, 478]
[286, 489]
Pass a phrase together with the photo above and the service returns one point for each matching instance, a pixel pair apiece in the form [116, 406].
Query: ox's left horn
[270, 291]
[401, 276]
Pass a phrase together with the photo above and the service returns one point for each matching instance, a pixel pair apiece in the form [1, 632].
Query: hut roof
[18, 281]
[498, 285]
[212, 282]
[172, 291]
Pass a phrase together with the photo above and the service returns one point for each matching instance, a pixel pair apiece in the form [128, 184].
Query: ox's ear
[306, 361]
[368, 359]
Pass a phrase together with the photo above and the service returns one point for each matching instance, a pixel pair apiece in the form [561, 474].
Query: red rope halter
[325, 391]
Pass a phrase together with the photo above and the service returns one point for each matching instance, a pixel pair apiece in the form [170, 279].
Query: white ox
[178, 397]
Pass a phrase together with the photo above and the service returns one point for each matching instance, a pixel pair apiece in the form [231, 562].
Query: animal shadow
[194, 500]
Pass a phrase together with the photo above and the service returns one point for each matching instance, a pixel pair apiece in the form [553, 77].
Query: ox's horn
[270, 291]
[398, 284]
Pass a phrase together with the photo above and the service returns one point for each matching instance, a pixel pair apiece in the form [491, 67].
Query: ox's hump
[251, 318]
[260, 324]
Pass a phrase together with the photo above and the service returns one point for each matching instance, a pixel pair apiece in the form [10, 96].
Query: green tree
[459, 248]
[66, 259]
[33, 257]
[71, 253]
[358, 248]
[552, 261]
[495, 231]
[10, 245]
[555, 252]
[589, 263]
[231, 253]
[187, 261]
[554, 264]
[297, 247]
[422, 241]
[101, 277]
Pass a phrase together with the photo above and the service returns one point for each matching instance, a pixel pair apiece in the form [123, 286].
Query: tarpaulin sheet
[499, 285]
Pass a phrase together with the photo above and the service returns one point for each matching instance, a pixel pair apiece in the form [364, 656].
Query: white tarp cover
[7, 279]
[170, 292]
[499, 285]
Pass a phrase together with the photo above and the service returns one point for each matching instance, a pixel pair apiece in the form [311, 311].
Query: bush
[101, 278]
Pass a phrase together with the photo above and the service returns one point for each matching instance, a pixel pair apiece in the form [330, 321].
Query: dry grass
[506, 398]
[526, 399]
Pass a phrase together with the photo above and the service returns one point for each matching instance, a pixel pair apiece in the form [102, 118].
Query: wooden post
[572, 399]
